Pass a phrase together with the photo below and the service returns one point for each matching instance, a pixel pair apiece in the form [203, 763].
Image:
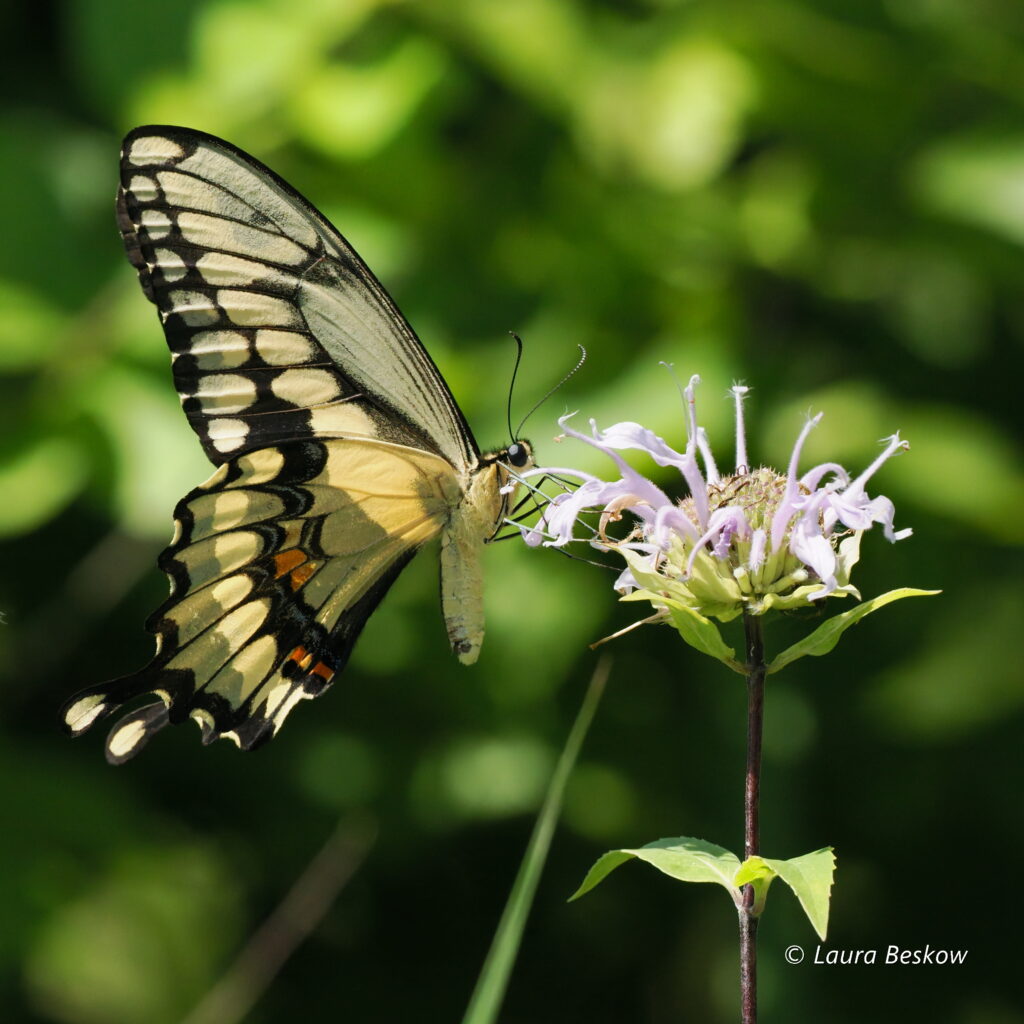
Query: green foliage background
[823, 199]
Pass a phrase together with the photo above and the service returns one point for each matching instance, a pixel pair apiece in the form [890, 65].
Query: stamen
[794, 579]
[893, 446]
[710, 467]
[742, 578]
[739, 392]
[691, 412]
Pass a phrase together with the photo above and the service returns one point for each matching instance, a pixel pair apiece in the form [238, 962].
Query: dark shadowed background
[823, 199]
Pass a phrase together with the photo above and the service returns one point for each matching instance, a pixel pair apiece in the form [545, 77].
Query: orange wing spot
[299, 576]
[301, 657]
[285, 561]
[325, 672]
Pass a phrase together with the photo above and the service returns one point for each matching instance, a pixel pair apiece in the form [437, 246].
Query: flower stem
[751, 807]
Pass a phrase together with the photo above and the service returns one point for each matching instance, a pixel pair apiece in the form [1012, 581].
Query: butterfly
[339, 449]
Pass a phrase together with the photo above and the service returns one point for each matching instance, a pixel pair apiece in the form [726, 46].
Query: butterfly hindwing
[277, 562]
[277, 328]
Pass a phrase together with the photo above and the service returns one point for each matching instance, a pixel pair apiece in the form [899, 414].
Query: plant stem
[751, 807]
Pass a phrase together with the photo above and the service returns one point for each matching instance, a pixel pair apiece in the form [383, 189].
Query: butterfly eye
[518, 455]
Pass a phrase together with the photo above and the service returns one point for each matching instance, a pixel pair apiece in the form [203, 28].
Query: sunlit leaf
[809, 876]
[683, 858]
[827, 635]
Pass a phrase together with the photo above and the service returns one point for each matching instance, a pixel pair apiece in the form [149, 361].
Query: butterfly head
[496, 481]
[519, 455]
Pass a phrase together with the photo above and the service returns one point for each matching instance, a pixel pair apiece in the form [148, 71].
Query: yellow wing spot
[221, 268]
[84, 712]
[214, 350]
[125, 738]
[171, 265]
[227, 434]
[195, 308]
[282, 348]
[155, 223]
[143, 188]
[252, 309]
[148, 149]
[222, 393]
[305, 387]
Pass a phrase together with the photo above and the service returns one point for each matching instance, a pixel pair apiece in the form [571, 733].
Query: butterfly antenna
[582, 360]
[512, 383]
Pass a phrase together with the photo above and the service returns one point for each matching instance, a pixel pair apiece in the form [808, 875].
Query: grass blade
[487, 997]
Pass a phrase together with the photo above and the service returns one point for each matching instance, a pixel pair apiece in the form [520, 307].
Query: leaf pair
[695, 860]
[703, 635]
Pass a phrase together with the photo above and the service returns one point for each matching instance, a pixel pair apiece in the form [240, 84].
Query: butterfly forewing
[276, 327]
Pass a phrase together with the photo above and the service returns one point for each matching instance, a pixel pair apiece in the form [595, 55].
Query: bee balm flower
[745, 542]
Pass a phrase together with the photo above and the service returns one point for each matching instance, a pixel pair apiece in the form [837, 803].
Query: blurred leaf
[491, 777]
[528, 43]
[977, 180]
[141, 944]
[600, 801]
[339, 770]
[158, 456]
[29, 328]
[674, 119]
[352, 112]
[775, 211]
[39, 482]
[964, 446]
[961, 673]
[112, 49]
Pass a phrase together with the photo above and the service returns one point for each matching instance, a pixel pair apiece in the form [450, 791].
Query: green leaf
[756, 872]
[487, 996]
[696, 630]
[827, 635]
[684, 858]
[809, 876]
[702, 634]
[651, 582]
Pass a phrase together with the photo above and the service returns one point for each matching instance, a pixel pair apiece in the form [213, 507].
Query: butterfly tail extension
[134, 731]
[87, 707]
